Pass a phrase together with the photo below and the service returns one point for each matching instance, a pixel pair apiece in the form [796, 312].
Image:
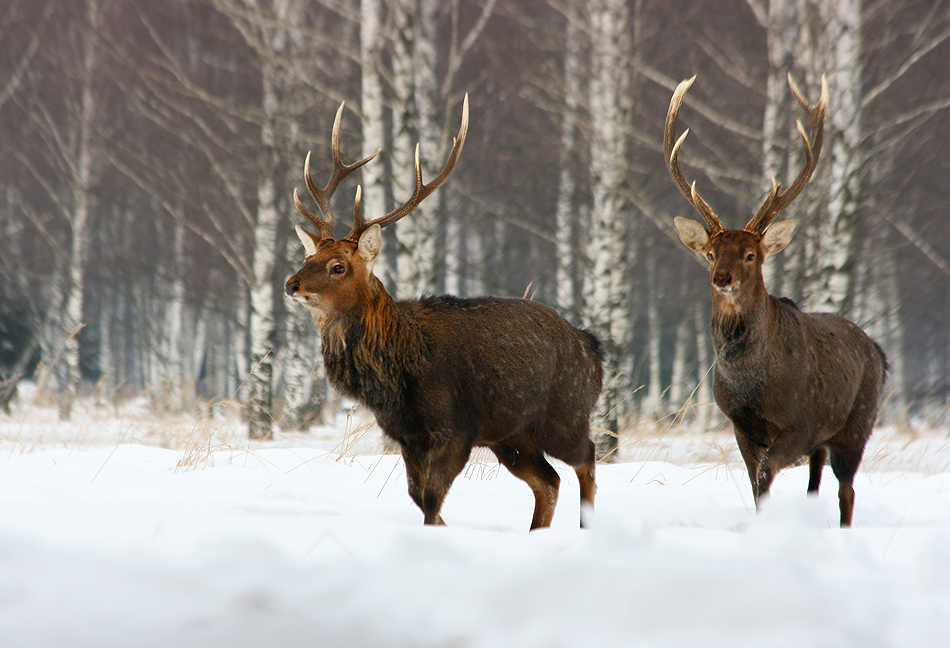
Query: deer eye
[750, 257]
[337, 269]
[710, 256]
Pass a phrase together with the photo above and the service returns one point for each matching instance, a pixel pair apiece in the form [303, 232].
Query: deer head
[338, 275]
[735, 256]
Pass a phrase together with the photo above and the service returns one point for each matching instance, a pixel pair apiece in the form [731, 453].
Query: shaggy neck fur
[739, 325]
[374, 352]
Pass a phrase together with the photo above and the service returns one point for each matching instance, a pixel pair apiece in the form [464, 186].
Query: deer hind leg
[585, 477]
[846, 449]
[844, 463]
[531, 467]
[815, 463]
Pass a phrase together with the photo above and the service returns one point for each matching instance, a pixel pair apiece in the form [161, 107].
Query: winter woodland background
[149, 151]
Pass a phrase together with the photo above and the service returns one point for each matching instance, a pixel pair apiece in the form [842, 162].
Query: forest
[149, 152]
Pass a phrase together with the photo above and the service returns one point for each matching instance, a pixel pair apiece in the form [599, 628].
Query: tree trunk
[79, 218]
[567, 276]
[261, 301]
[830, 286]
[704, 360]
[373, 109]
[606, 291]
[654, 341]
[679, 383]
[778, 131]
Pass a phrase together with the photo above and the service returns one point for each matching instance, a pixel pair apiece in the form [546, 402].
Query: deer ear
[692, 234]
[371, 241]
[777, 236]
[309, 240]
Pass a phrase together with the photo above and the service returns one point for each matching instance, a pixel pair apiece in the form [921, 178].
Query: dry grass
[693, 435]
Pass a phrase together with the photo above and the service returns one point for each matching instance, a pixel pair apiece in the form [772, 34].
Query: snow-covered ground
[125, 528]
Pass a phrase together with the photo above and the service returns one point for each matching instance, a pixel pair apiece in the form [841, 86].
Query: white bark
[778, 132]
[654, 338]
[704, 360]
[830, 287]
[404, 135]
[877, 308]
[566, 273]
[261, 289]
[80, 212]
[302, 379]
[261, 301]
[606, 289]
[372, 107]
[679, 382]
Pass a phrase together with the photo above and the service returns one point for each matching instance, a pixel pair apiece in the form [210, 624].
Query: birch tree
[606, 290]
[68, 132]
[567, 224]
[422, 111]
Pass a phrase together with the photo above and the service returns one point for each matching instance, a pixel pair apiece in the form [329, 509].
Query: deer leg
[533, 469]
[844, 464]
[585, 477]
[444, 465]
[755, 457]
[763, 481]
[416, 459]
[815, 463]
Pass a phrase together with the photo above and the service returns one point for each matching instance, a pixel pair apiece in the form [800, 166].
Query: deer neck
[369, 350]
[740, 324]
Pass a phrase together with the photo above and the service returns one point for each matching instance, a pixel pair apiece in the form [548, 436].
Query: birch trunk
[704, 360]
[404, 135]
[261, 291]
[829, 288]
[679, 382]
[302, 377]
[372, 107]
[606, 291]
[654, 339]
[778, 130]
[79, 218]
[566, 272]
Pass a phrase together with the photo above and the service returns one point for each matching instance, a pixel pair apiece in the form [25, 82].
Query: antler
[322, 196]
[421, 191]
[776, 201]
[672, 160]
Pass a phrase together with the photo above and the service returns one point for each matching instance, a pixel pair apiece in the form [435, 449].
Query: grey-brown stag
[793, 384]
[444, 374]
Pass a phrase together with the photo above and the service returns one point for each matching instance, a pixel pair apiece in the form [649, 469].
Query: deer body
[796, 385]
[793, 384]
[451, 374]
[444, 374]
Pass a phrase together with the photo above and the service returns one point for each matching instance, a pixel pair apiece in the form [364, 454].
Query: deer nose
[722, 279]
[291, 288]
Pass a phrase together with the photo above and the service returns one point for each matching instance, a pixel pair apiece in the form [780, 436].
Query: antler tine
[672, 147]
[340, 171]
[325, 226]
[776, 202]
[421, 191]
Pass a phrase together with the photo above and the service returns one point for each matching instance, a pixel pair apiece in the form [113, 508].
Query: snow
[125, 528]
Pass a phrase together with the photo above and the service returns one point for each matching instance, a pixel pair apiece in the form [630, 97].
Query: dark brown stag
[793, 384]
[444, 374]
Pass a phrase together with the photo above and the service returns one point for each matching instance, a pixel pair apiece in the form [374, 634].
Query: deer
[793, 384]
[444, 374]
